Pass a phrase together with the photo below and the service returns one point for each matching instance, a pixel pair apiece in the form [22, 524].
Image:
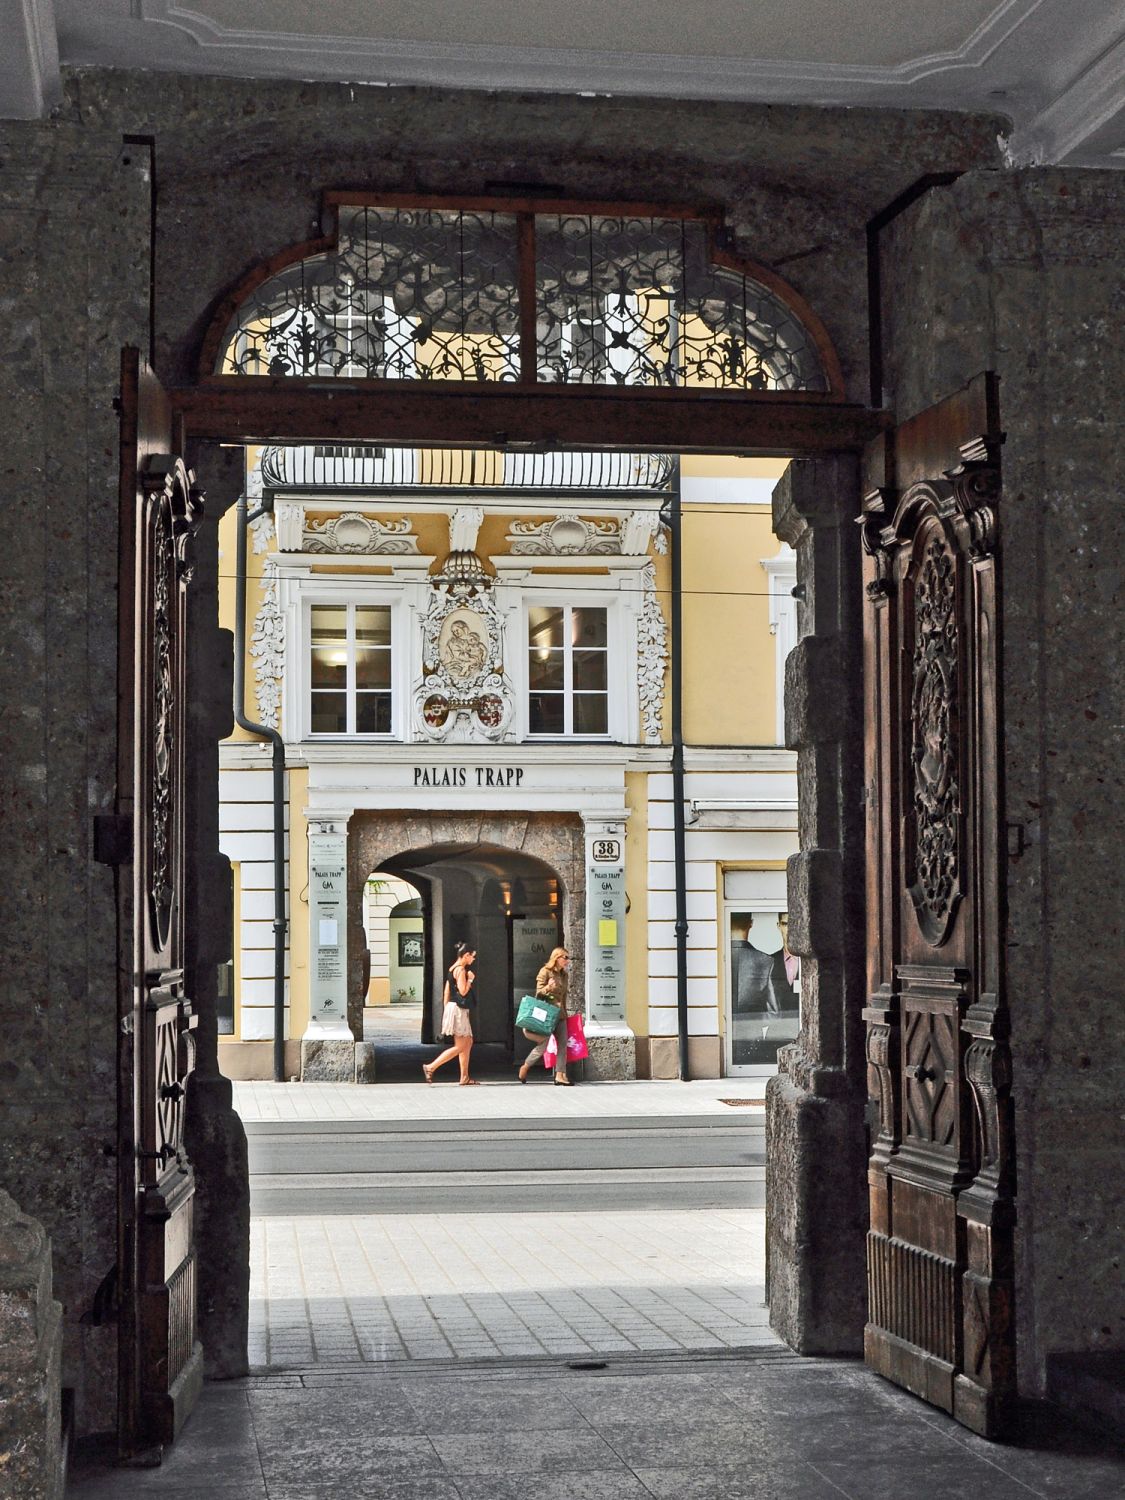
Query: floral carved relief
[267, 648]
[652, 658]
[464, 694]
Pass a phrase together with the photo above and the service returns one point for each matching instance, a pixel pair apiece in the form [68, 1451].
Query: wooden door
[942, 1211]
[160, 1360]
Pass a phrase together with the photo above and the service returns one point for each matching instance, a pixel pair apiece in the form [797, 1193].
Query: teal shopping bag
[537, 1015]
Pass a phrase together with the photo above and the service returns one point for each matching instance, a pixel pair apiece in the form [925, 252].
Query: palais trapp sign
[479, 778]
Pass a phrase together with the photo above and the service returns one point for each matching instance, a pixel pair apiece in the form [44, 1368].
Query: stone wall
[74, 232]
[1022, 273]
[798, 184]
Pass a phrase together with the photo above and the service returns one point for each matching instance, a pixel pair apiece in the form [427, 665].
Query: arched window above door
[543, 293]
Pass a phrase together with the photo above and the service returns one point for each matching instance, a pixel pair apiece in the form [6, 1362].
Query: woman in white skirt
[456, 1019]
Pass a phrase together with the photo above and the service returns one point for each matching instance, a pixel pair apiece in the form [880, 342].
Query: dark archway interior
[506, 904]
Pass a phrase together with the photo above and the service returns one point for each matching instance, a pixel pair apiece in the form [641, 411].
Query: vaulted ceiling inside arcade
[1054, 68]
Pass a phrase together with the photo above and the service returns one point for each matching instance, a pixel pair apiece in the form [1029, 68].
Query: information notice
[605, 943]
[328, 890]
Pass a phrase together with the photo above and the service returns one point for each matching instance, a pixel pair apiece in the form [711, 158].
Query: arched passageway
[507, 904]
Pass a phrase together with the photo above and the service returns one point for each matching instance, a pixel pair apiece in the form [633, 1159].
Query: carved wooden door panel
[160, 1360]
[942, 1211]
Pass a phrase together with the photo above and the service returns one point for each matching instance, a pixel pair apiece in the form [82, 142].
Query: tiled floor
[754, 1427]
[427, 1286]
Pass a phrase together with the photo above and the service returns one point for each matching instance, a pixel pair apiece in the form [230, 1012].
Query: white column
[605, 921]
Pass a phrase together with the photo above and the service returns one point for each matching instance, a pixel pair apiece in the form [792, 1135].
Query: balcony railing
[352, 467]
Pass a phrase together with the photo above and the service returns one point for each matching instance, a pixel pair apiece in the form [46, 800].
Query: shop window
[349, 669]
[765, 986]
[568, 671]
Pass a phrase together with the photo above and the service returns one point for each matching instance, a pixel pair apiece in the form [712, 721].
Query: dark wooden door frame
[766, 424]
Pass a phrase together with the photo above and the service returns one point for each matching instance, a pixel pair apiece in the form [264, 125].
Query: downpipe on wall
[673, 516]
[243, 517]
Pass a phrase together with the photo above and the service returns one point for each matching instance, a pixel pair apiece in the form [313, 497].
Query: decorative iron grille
[407, 294]
[434, 293]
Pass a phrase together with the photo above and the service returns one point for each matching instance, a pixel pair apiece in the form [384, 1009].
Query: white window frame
[727, 907]
[338, 592]
[616, 714]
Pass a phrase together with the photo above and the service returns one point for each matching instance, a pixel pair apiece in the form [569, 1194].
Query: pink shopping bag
[576, 1047]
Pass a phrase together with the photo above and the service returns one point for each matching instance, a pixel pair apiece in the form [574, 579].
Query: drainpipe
[678, 806]
[244, 517]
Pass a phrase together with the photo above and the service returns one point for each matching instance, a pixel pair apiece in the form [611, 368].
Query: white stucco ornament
[267, 648]
[464, 695]
[652, 658]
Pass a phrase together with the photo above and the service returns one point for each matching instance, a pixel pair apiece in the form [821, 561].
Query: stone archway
[556, 839]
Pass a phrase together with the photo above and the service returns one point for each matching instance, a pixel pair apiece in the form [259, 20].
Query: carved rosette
[464, 694]
[652, 658]
[935, 751]
[267, 647]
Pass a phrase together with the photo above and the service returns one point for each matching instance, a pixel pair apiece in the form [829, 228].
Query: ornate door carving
[942, 1210]
[160, 1360]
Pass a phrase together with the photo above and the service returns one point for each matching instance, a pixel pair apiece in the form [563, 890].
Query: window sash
[351, 689]
[567, 692]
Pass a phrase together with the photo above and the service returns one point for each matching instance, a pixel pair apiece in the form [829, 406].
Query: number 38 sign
[606, 851]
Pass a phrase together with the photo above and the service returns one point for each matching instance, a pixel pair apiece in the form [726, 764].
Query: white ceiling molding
[1067, 129]
[1052, 66]
[627, 71]
[29, 63]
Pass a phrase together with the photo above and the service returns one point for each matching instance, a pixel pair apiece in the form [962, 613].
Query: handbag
[576, 1048]
[538, 1015]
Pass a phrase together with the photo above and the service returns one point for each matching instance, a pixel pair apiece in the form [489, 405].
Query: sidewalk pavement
[446, 1100]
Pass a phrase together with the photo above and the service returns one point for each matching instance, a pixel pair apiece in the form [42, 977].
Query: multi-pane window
[350, 669]
[568, 670]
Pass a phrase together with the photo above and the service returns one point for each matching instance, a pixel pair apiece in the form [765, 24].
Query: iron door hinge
[113, 838]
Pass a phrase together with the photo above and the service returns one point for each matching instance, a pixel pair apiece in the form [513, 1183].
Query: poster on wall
[411, 950]
[532, 941]
[765, 986]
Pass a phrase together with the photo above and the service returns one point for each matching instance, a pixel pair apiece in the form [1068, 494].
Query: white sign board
[605, 941]
[328, 894]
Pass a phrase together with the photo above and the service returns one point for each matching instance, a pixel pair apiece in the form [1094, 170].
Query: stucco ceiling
[1056, 68]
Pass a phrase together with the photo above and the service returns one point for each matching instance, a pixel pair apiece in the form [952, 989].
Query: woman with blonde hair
[550, 984]
[456, 1020]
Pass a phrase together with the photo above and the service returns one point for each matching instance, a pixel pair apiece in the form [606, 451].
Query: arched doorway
[822, 1095]
[506, 903]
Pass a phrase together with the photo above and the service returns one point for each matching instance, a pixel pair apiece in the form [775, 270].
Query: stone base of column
[31, 1444]
[816, 1220]
[613, 1054]
[330, 1054]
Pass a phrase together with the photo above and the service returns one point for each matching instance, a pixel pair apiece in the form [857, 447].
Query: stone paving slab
[752, 1426]
[258, 1101]
[387, 1287]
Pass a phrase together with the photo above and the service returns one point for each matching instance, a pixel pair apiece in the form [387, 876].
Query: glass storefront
[764, 981]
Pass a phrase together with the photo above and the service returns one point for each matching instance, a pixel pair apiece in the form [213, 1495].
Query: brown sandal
[427, 1073]
[466, 1082]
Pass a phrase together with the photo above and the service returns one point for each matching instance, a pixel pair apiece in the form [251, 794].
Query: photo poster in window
[765, 982]
[411, 950]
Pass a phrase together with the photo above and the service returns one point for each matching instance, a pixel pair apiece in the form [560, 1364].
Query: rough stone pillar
[816, 1148]
[214, 1136]
[31, 1451]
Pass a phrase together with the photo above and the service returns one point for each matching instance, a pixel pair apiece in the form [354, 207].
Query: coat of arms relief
[464, 694]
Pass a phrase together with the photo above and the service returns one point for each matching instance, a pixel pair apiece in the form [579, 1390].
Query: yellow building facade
[469, 659]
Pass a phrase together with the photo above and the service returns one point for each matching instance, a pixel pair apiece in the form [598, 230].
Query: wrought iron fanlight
[536, 293]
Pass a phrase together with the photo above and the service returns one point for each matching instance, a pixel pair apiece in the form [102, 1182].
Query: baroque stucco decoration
[570, 535]
[652, 658]
[353, 532]
[464, 694]
[267, 647]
